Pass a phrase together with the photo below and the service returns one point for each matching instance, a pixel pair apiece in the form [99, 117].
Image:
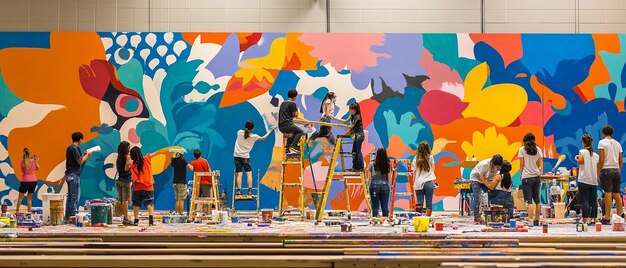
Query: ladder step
[354, 184]
[292, 184]
[349, 173]
[292, 162]
[404, 173]
[245, 197]
[345, 153]
[404, 194]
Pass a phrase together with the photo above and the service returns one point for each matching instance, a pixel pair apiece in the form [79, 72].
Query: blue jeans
[427, 191]
[588, 200]
[379, 193]
[503, 198]
[73, 194]
[477, 191]
[357, 159]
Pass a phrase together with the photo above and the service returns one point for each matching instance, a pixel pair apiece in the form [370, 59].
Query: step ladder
[254, 197]
[205, 203]
[410, 191]
[349, 178]
[290, 160]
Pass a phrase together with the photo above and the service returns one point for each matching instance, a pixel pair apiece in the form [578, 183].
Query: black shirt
[285, 112]
[180, 169]
[357, 124]
[72, 158]
[123, 174]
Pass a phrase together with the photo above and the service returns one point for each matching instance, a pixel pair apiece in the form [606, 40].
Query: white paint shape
[57, 173]
[110, 171]
[179, 46]
[466, 46]
[168, 37]
[152, 93]
[107, 116]
[26, 114]
[153, 63]
[135, 40]
[162, 49]
[106, 42]
[144, 53]
[6, 169]
[170, 59]
[121, 40]
[151, 39]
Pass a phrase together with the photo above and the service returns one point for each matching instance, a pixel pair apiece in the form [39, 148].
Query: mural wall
[466, 94]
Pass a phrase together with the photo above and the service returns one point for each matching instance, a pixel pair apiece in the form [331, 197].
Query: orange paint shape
[546, 94]
[213, 38]
[53, 79]
[598, 74]
[396, 147]
[297, 54]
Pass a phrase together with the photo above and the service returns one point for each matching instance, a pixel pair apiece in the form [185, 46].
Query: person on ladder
[287, 111]
[326, 109]
[357, 134]
[424, 169]
[243, 145]
[379, 186]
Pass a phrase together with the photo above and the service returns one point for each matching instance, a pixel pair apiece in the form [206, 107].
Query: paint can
[598, 227]
[439, 226]
[579, 226]
[4, 209]
[545, 228]
[513, 223]
[235, 219]
[56, 212]
[346, 227]
[421, 224]
[224, 217]
[100, 213]
[310, 214]
[266, 215]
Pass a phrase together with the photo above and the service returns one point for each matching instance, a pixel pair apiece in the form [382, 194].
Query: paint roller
[558, 162]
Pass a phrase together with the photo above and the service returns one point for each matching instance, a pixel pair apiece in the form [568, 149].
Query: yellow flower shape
[499, 104]
[485, 146]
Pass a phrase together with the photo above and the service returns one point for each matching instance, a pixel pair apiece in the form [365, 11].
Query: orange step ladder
[394, 181]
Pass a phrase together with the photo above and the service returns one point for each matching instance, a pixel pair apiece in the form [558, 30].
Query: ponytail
[506, 181]
[249, 126]
[588, 143]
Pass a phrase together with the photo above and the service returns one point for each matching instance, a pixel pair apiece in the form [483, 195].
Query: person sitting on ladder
[326, 109]
[287, 111]
[243, 146]
[424, 168]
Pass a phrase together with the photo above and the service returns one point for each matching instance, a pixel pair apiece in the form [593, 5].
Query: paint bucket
[100, 213]
[346, 227]
[545, 228]
[512, 223]
[13, 223]
[421, 224]
[56, 212]
[215, 215]
[546, 211]
[598, 227]
[439, 226]
[266, 215]
[224, 217]
[559, 210]
[4, 209]
[310, 214]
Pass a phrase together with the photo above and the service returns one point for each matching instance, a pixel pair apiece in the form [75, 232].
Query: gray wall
[501, 16]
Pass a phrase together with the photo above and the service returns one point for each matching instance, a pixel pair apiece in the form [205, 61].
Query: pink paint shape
[440, 108]
[132, 136]
[439, 74]
[120, 105]
[531, 114]
[345, 50]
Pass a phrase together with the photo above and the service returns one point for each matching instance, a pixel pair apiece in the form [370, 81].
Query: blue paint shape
[24, 39]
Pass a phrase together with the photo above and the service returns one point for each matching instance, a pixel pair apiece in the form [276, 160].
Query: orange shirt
[143, 181]
[201, 165]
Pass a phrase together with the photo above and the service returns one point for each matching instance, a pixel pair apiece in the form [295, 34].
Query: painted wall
[466, 94]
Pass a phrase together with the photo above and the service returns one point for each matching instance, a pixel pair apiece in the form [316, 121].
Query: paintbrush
[558, 162]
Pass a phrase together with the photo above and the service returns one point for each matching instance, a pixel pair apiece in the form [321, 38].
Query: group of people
[135, 181]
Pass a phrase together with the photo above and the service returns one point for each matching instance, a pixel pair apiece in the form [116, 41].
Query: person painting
[180, 166]
[483, 171]
[124, 179]
[531, 163]
[28, 184]
[73, 161]
[424, 173]
[588, 160]
[380, 171]
[326, 109]
[243, 146]
[609, 172]
[286, 112]
[143, 182]
[200, 164]
[500, 188]
[356, 132]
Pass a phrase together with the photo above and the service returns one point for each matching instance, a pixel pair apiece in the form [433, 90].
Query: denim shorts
[143, 197]
[242, 164]
[610, 180]
[532, 189]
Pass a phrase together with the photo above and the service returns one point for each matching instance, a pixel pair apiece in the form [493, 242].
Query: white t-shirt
[589, 170]
[483, 168]
[421, 177]
[530, 169]
[611, 148]
[500, 188]
[243, 146]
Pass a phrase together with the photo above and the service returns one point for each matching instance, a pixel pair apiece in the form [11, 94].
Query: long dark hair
[381, 163]
[588, 143]
[422, 158]
[137, 157]
[329, 96]
[506, 181]
[355, 106]
[122, 150]
[530, 146]
[248, 127]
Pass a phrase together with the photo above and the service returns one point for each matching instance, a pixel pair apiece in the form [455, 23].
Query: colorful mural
[466, 94]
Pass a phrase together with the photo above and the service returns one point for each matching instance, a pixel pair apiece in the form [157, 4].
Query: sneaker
[605, 221]
[238, 192]
[127, 222]
[294, 150]
[136, 223]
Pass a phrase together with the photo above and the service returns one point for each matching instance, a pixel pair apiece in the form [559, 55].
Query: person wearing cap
[483, 171]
